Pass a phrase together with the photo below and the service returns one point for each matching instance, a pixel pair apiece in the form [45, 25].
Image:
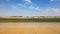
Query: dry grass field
[29, 28]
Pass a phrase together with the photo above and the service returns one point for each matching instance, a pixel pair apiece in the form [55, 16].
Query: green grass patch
[30, 20]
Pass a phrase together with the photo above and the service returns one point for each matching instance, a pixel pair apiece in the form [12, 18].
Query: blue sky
[29, 7]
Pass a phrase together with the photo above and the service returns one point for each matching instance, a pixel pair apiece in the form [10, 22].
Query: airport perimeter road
[30, 28]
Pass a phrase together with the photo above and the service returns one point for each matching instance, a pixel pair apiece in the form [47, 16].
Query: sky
[29, 7]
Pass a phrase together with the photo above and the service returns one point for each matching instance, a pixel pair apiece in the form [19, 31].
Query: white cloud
[51, 12]
[22, 5]
[28, 1]
[56, 11]
[46, 12]
[30, 7]
[35, 8]
[14, 8]
[52, 0]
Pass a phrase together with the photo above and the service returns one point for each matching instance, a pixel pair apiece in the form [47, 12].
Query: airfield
[30, 28]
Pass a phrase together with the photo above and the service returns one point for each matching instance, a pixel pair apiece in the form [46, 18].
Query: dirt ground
[30, 28]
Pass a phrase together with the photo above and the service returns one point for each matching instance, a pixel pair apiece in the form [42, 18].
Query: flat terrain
[30, 28]
[29, 20]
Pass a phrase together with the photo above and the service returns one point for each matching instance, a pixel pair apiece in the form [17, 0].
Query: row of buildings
[29, 16]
